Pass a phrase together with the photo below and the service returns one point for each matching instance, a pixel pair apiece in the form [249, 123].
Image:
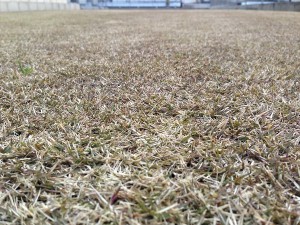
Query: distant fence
[275, 6]
[278, 6]
[140, 4]
[131, 4]
[34, 5]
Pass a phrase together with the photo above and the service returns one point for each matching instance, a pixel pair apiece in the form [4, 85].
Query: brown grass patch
[150, 117]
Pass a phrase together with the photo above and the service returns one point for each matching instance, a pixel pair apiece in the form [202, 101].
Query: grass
[150, 117]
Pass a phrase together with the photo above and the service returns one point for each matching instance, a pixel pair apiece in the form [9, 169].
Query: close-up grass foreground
[150, 117]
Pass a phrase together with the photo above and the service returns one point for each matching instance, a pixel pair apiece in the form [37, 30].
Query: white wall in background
[37, 1]
[32, 5]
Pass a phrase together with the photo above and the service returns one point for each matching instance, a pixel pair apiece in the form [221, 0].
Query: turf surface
[150, 117]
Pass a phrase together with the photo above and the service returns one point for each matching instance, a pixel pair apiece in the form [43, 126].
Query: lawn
[150, 117]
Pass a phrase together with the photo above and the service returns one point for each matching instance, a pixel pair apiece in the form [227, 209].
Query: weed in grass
[25, 69]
